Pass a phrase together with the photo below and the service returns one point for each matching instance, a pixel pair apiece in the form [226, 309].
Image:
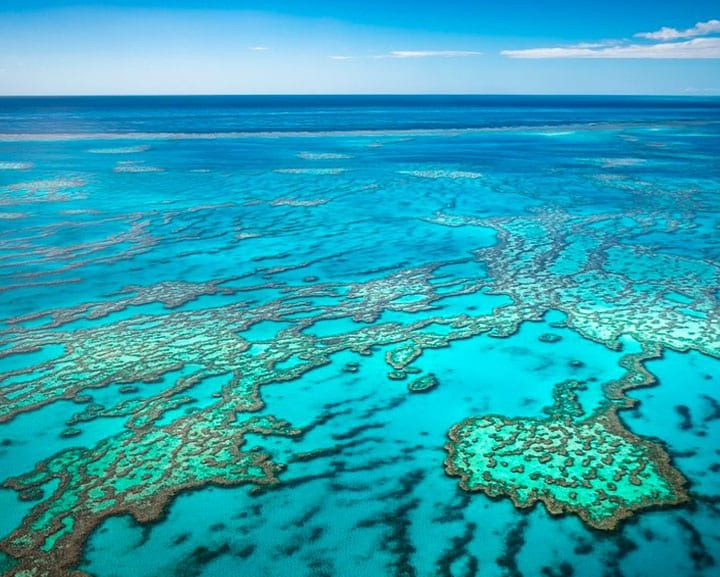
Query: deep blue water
[207, 114]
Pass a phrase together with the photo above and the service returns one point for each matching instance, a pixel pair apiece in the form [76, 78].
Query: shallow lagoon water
[238, 342]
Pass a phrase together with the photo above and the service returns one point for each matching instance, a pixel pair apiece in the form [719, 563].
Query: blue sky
[370, 46]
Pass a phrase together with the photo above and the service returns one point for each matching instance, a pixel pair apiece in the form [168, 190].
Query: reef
[190, 377]
[592, 466]
[424, 383]
[563, 461]
[137, 473]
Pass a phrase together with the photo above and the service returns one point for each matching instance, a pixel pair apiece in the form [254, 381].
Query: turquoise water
[293, 336]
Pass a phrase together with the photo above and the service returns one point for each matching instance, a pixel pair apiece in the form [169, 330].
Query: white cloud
[670, 43]
[415, 54]
[258, 48]
[702, 91]
[666, 33]
[430, 54]
[695, 48]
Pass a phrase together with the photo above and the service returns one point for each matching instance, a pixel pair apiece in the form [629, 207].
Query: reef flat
[226, 352]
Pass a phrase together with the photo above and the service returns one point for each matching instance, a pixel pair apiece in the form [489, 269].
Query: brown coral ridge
[423, 384]
[604, 510]
[523, 266]
[43, 548]
[211, 337]
[171, 294]
[556, 507]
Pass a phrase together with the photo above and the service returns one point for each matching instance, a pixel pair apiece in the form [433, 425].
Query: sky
[53, 47]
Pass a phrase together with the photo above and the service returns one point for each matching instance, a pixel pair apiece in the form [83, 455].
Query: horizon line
[712, 94]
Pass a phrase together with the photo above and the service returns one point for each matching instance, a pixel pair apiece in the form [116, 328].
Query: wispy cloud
[666, 33]
[696, 48]
[702, 91]
[697, 42]
[430, 54]
[258, 48]
[414, 54]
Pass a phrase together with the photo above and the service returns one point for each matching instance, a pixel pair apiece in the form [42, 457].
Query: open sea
[351, 336]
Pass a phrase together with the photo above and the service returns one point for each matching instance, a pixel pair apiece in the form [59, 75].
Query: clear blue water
[173, 268]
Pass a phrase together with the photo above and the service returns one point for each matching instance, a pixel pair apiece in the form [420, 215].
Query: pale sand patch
[323, 155]
[120, 149]
[442, 173]
[49, 185]
[16, 165]
[132, 166]
[314, 171]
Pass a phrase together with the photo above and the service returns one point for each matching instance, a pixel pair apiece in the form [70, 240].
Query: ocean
[413, 336]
